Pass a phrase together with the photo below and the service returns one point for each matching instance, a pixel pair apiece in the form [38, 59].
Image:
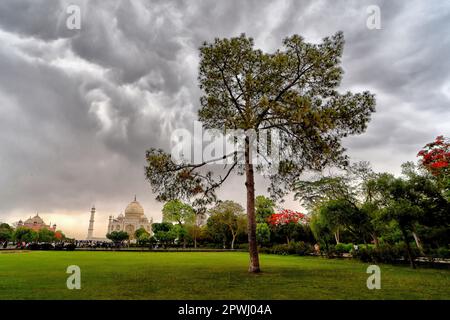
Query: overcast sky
[78, 108]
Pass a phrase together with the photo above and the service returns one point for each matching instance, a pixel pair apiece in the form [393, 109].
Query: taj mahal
[131, 220]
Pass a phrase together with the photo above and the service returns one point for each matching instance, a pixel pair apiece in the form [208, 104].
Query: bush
[384, 253]
[440, 253]
[297, 248]
[443, 253]
[342, 248]
[282, 249]
[241, 246]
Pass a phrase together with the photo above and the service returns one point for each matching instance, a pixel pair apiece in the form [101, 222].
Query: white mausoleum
[133, 219]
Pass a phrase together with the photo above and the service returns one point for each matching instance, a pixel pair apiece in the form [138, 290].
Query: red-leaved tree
[435, 157]
[287, 223]
[286, 216]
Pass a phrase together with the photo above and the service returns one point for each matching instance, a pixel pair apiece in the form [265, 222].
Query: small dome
[36, 219]
[134, 210]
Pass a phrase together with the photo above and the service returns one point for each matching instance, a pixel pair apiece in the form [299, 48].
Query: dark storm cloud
[79, 108]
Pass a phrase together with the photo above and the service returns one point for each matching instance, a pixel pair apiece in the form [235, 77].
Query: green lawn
[207, 275]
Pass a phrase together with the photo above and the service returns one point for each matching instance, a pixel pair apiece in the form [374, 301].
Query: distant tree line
[24, 235]
[392, 216]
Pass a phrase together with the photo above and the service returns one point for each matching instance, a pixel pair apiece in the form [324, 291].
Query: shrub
[298, 248]
[342, 248]
[241, 246]
[384, 253]
[440, 253]
[280, 249]
[301, 248]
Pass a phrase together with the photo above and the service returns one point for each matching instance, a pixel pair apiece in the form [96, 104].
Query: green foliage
[262, 233]
[321, 229]
[264, 208]
[385, 253]
[142, 236]
[227, 220]
[178, 212]
[342, 248]
[342, 214]
[26, 235]
[248, 89]
[347, 184]
[440, 252]
[6, 232]
[141, 232]
[164, 233]
[293, 248]
[166, 237]
[118, 236]
[163, 226]
[45, 235]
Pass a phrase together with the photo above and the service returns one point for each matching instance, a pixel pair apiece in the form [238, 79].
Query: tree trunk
[408, 249]
[250, 185]
[232, 242]
[336, 236]
[195, 239]
[184, 237]
[417, 240]
[326, 249]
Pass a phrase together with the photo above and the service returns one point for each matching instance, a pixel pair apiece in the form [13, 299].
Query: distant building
[36, 223]
[133, 219]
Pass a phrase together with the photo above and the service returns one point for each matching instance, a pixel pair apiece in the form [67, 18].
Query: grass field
[200, 275]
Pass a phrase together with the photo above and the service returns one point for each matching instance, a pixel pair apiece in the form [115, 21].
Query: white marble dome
[134, 210]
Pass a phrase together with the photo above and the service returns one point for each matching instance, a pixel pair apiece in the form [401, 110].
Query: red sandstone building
[36, 223]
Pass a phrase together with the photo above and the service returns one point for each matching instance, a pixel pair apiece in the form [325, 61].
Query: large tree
[231, 215]
[45, 235]
[293, 92]
[6, 233]
[180, 213]
[435, 157]
[343, 198]
[23, 234]
[118, 237]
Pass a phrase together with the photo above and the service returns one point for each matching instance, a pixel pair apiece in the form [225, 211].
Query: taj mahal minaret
[91, 224]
